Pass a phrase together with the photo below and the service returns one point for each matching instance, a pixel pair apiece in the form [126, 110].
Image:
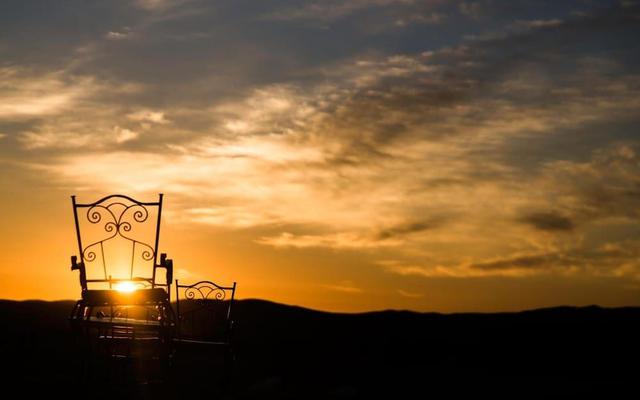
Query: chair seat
[105, 297]
[124, 322]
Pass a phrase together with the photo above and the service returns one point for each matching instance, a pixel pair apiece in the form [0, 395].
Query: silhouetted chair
[122, 303]
[205, 322]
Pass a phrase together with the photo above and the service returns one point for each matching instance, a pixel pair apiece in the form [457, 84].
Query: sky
[339, 155]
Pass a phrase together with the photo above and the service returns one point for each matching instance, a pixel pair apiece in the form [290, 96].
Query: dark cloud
[548, 221]
[402, 230]
[543, 261]
[497, 10]
[614, 258]
[603, 187]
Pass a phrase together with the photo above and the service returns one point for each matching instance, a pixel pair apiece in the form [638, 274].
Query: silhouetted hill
[293, 352]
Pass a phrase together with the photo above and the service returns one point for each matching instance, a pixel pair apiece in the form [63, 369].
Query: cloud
[344, 287]
[155, 5]
[61, 110]
[341, 240]
[432, 18]
[410, 295]
[548, 221]
[516, 268]
[124, 135]
[368, 17]
[186, 274]
[331, 10]
[156, 117]
[539, 23]
[229, 216]
[488, 11]
[47, 138]
[74, 136]
[608, 260]
[497, 157]
[409, 228]
[370, 237]
[601, 187]
[523, 263]
[113, 35]
[23, 95]
[462, 271]
[473, 9]
[351, 144]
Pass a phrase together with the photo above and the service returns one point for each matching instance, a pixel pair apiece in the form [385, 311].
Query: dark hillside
[292, 352]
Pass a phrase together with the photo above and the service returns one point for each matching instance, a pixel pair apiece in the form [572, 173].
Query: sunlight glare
[126, 287]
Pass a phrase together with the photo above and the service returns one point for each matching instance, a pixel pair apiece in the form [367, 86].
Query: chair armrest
[169, 269]
[75, 265]
[167, 264]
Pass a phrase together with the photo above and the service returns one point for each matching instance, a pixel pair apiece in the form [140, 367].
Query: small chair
[122, 303]
[204, 321]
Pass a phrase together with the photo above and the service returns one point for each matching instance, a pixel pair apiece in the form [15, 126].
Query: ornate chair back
[118, 244]
[204, 312]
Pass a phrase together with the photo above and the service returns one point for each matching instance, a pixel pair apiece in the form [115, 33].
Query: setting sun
[125, 287]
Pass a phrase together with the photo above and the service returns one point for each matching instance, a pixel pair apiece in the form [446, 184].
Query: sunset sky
[339, 155]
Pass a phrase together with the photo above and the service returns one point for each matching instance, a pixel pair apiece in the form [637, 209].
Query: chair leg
[228, 373]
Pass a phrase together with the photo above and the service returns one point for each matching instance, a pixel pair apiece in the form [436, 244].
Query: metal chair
[124, 311]
[205, 323]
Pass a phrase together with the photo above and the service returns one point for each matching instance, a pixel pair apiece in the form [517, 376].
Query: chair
[124, 310]
[205, 323]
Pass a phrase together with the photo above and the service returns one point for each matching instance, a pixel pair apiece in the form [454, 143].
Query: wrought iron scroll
[204, 290]
[205, 296]
[117, 219]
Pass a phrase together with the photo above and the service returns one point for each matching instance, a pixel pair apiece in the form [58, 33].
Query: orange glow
[126, 287]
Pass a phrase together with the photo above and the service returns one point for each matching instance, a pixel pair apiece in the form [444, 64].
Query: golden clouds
[352, 151]
[24, 96]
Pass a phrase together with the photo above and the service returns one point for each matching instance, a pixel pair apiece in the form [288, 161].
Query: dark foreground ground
[290, 352]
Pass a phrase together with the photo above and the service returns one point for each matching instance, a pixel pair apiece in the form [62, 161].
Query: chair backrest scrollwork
[117, 235]
[204, 311]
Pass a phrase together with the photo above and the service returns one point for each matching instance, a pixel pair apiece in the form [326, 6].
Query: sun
[126, 287]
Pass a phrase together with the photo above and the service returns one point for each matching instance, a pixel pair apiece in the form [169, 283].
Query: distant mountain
[292, 352]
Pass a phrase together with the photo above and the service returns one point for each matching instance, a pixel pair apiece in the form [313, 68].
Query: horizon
[374, 311]
[359, 155]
